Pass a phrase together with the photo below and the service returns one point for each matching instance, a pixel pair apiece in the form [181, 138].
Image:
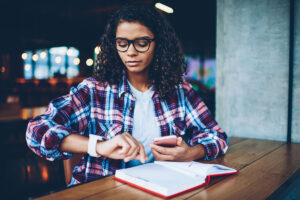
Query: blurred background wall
[257, 89]
[296, 76]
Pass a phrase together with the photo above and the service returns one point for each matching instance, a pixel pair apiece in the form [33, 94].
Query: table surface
[263, 167]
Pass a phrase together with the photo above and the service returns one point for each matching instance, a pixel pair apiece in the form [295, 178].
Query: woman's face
[135, 61]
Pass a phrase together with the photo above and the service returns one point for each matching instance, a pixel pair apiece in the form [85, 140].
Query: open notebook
[168, 179]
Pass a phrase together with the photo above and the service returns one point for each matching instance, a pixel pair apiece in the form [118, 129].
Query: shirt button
[130, 108]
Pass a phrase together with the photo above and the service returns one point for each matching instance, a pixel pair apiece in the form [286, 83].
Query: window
[53, 62]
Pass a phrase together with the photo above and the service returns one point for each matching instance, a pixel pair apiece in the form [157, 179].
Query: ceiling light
[27, 67]
[164, 8]
[43, 55]
[35, 57]
[58, 59]
[76, 61]
[97, 50]
[89, 62]
[24, 56]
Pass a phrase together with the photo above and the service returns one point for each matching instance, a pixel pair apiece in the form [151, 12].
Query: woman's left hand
[181, 152]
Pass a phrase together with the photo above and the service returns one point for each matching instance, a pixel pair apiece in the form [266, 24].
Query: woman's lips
[133, 63]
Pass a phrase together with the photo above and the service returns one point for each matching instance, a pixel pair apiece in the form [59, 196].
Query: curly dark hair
[168, 64]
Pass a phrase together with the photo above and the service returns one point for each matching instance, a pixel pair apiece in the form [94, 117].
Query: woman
[137, 93]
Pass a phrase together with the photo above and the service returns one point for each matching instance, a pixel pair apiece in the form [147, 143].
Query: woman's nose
[131, 50]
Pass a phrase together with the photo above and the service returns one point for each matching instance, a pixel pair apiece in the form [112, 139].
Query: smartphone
[167, 141]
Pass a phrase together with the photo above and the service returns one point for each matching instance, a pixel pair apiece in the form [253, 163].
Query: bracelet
[92, 145]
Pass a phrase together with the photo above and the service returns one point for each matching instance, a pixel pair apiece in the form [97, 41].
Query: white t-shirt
[145, 127]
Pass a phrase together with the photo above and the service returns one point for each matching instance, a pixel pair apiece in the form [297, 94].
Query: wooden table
[264, 166]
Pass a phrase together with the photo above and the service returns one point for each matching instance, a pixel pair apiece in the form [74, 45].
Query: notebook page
[162, 176]
[220, 169]
[188, 167]
[201, 169]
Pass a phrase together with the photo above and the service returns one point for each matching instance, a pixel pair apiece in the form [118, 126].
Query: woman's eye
[142, 43]
[122, 43]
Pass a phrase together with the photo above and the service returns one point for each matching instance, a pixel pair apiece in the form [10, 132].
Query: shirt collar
[124, 87]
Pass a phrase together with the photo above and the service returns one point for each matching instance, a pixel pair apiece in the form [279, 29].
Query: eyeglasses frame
[132, 42]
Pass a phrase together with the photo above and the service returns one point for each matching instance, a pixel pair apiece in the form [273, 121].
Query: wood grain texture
[238, 156]
[263, 165]
[260, 179]
[84, 190]
[235, 140]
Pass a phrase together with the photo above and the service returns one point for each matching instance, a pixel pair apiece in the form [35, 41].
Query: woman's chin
[135, 69]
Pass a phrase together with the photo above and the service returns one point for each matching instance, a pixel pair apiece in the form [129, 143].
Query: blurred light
[3, 69]
[58, 50]
[62, 70]
[24, 56]
[58, 59]
[43, 55]
[28, 169]
[27, 67]
[44, 173]
[76, 61]
[97, 50]
[164, 8]
[35, 57]
[89, 62]
[70, 52]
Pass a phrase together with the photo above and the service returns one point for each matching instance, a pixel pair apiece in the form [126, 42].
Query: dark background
[32, 25]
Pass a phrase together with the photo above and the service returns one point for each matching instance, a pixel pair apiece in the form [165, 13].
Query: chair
[69, 165]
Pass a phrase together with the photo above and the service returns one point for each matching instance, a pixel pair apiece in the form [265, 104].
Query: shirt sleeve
[65, 115]
[204, 129]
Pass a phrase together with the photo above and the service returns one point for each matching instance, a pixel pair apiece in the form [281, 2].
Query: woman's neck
[139, 81]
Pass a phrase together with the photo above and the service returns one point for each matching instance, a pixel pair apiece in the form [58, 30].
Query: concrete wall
[252, 68]
[296, 91]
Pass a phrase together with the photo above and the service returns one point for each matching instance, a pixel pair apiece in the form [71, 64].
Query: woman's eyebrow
[143, 37]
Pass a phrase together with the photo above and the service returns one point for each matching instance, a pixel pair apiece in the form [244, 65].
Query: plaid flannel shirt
[107, 110]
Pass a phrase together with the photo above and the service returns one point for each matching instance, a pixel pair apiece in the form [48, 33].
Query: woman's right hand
[122, 146]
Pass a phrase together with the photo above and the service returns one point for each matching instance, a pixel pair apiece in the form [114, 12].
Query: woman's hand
[122, 146]
[181, 152]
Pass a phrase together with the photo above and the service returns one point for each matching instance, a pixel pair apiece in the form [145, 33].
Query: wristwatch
[93, 139]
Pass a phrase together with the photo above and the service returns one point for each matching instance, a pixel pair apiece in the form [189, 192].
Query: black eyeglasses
[140, 44]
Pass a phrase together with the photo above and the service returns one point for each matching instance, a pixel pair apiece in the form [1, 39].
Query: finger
[134, 145]
[159, 156]
[179, 141]
[132, 156]
[142, 154]
[163, 150]
[124, 145]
